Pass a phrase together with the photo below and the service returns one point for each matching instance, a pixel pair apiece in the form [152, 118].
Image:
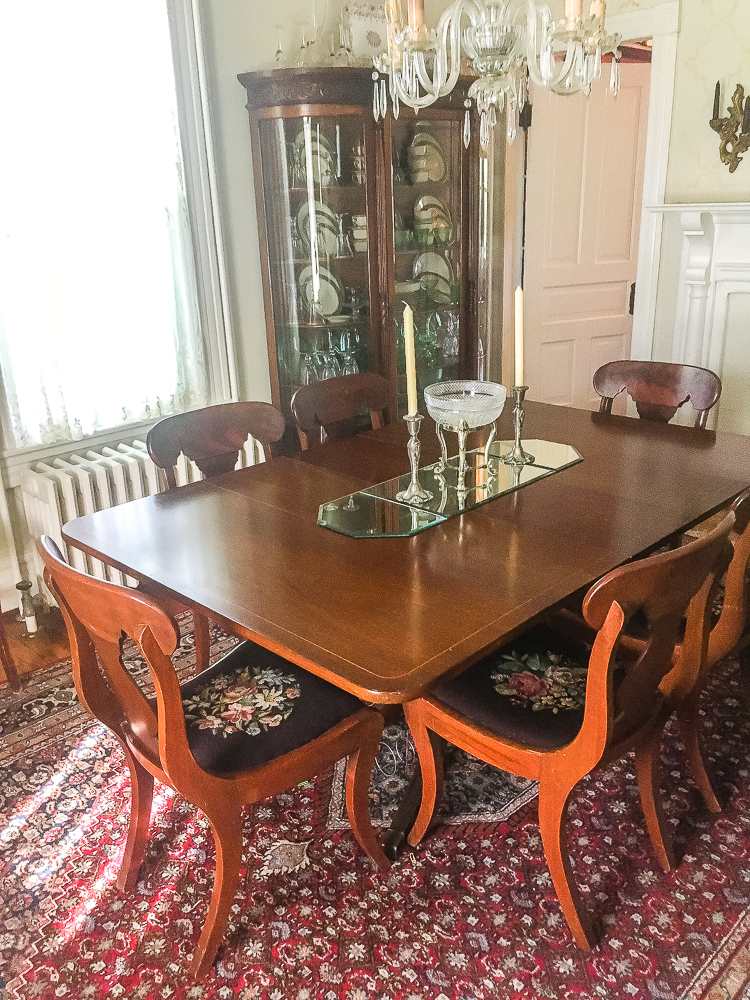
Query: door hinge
[631, 306]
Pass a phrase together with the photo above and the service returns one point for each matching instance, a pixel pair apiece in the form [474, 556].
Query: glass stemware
[280, 56]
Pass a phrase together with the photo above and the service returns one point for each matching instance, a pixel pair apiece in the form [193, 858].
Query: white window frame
[205, 224]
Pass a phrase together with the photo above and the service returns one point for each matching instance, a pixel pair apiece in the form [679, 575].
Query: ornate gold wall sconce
[734, 131]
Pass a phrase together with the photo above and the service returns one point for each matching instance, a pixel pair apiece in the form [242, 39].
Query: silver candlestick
[414, 492]
[517, 456]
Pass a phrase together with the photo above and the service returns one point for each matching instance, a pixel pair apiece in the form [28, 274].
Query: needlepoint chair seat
[658, 388]
[236, 711]
[512, 698]
[248, 728]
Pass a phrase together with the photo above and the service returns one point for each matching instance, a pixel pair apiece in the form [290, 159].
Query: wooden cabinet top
[333, 85]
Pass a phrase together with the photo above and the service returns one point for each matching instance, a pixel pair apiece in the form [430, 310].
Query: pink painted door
[584, 188]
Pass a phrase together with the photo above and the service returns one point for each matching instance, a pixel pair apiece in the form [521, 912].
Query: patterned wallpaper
[713, 44]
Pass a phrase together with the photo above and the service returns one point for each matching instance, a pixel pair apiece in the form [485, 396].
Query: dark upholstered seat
[213, 698]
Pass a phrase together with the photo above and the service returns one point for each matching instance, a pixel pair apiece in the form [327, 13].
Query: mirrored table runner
[375, 512]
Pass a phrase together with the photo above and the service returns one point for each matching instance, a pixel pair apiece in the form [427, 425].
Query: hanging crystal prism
[467, 124]
[375, 100]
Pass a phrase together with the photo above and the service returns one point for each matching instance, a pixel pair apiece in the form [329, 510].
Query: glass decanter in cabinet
[357, 217]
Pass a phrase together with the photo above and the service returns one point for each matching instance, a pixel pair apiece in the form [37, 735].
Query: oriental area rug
[469, 915]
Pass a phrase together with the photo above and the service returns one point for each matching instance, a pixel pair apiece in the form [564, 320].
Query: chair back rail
[662, 587]
[658, 388]
[323, 411]
[213, 436]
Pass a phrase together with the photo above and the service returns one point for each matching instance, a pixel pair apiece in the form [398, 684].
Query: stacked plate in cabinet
[327, 299]
[432, 221]
[319, 161]
[426, 160]
[435, 274]
[326, 227]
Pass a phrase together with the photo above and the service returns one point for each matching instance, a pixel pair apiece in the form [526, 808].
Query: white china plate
[315, 137]
[432, 161]
[326, 224]
[331, 294]
[433, 262]
[437, 288]
[429, 203]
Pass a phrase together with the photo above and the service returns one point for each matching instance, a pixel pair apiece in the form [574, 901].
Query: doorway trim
[661, 24]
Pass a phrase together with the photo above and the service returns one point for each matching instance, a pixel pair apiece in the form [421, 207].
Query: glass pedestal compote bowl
[462, 406]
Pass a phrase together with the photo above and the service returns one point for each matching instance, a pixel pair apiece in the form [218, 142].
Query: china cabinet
[358, 217]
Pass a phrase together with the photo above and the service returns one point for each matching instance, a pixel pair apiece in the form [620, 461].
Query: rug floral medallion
[469, 915]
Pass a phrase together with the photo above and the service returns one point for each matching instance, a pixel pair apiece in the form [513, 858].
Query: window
[100, 313]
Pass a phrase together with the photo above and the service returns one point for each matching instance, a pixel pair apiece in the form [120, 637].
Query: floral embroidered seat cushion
[531, 691]
[237, 710]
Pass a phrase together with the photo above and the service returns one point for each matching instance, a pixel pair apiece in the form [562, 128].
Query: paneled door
[583, 206]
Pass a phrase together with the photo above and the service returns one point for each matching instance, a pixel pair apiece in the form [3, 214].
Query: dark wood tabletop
[384, 617]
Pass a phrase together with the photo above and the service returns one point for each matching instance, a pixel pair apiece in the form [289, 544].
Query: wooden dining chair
[325, 411]
[251, 726]
[547, 709]
[658, 388]
[211, 437]
[700, 650]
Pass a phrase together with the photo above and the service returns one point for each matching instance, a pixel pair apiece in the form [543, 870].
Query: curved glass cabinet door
[430, 247]
[316, 178]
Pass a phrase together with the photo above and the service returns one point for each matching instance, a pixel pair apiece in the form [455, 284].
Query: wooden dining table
[386, 617]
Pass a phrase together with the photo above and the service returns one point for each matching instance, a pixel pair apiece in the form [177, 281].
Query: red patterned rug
[470, 915]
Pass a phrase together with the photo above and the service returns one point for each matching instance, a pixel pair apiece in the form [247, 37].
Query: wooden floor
[48, 646]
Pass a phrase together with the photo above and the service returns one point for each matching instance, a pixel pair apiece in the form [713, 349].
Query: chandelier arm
[404, 95]
[539, 42]
[565, 70]
[449, 43]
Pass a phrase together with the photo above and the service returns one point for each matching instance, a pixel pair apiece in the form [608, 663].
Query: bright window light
[98, 307]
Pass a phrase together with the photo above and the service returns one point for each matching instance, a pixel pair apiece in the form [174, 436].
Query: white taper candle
[411, 361]
[519, 336]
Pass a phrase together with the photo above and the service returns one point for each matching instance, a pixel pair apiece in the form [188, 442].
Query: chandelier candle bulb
[411, 364]
[415, 11]
[573, 10]
[597, 9]
[519, 336]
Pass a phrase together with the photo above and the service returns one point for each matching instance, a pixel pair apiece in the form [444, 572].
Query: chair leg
[227, 829]
[358, 771]
[431, 765]
[553, 805]
[202, 640]
[647, 754]
[688, 718]
[141, 795]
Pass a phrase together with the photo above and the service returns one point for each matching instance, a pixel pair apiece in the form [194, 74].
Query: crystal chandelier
[508, 41]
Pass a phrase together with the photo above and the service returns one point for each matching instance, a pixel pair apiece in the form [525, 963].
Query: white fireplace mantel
[704, 298]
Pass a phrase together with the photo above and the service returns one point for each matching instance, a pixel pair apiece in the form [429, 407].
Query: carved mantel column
[690, 346]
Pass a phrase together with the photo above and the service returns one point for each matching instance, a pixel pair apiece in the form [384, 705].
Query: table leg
[395, 836]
